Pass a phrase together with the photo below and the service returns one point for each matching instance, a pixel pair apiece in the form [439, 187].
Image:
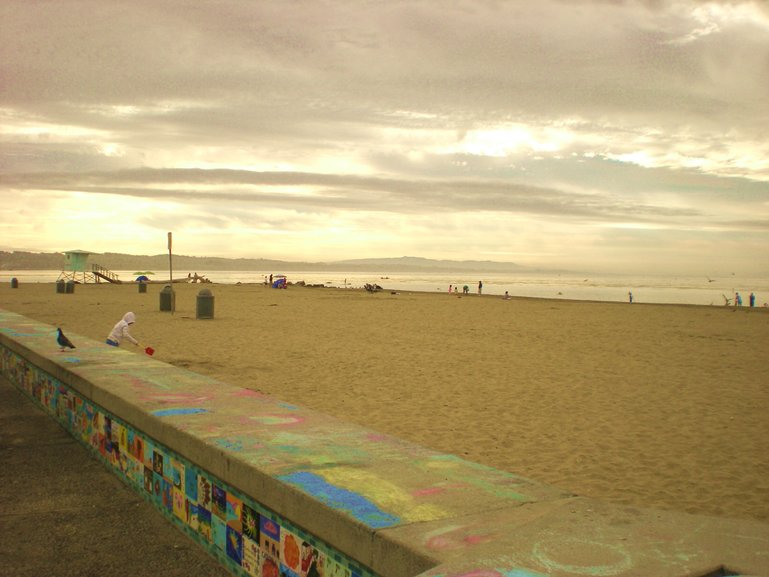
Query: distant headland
[23, 260]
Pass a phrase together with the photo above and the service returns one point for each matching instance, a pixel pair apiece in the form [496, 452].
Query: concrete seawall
[272, 488]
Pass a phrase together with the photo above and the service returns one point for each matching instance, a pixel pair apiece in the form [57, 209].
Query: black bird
[63, 341]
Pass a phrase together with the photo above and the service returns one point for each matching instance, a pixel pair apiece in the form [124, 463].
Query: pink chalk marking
[455, 537]
[428, 491]
[446, 543]
[477, 539]
[247, 393]
[179, 398]
[437, 490]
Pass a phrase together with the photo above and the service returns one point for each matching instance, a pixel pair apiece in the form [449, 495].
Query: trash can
[70, 287]
[60, 286]
[142, 287]
[167, 299]
[205, 305]
[14, 282]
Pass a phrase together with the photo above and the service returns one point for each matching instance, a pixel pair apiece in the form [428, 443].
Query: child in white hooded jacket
[121, 331]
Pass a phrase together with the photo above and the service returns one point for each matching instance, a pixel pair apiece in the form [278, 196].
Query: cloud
[326, 192]
[568, 118]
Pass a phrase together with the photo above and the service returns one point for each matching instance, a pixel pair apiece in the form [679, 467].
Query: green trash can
[60, 286]
[205, 305]
[14, 282]
[70, 287]
[167, 299]
[142, 287]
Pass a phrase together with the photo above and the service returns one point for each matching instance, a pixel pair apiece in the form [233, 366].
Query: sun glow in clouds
[511, 139]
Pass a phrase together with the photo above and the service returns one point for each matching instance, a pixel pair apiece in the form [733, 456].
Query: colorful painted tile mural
[246, 537]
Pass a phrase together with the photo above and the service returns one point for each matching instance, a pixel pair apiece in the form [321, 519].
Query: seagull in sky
[63, 341]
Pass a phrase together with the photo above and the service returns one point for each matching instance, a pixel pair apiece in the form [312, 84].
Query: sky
[598, 135]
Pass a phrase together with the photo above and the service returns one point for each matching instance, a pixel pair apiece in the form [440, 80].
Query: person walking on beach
[630, 297]
[752, 300]
[121, 331]
[480, 287]
[737, 300]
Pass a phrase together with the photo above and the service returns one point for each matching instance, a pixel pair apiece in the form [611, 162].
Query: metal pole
[171, 274]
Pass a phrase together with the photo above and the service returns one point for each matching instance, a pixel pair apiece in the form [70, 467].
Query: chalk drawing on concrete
[179, 411]
[341, 499]
[238, 444]
[498, 483]
[139, 383]
[15, 333]
[452, 537]
[518, 572]
[608, 559]
[216, 515]
[247, 393]
[276, 420]
[387, 493]
[179, 398]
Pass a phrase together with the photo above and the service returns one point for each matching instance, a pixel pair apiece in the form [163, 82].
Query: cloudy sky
[603, 135]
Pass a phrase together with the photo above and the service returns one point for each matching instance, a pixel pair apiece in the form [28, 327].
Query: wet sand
[646, 405]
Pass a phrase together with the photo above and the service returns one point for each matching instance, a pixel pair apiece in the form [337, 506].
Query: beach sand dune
[645, 405]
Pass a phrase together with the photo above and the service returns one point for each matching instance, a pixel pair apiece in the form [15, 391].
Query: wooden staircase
[100, 273]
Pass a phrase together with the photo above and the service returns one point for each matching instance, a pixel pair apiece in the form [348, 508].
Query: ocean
[610, 288]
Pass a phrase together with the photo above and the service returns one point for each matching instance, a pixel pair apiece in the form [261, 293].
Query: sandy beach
[646, 405]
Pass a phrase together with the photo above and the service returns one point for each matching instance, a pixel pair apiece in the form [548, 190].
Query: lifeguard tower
[74, 269]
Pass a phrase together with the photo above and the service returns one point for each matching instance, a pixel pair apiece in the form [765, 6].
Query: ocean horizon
[569, 286]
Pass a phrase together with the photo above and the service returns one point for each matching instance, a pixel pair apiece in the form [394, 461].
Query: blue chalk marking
[14, 333]
[230, 444]
[353, 503]
[174, 412]
[288, 406]
[72, 359]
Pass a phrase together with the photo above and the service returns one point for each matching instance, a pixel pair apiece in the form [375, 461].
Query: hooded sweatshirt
[120, 330]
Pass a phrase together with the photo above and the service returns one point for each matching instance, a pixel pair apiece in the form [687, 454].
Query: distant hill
[415, 263]
[21, 260]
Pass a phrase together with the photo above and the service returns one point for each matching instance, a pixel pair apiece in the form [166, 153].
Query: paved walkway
[62, 514]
